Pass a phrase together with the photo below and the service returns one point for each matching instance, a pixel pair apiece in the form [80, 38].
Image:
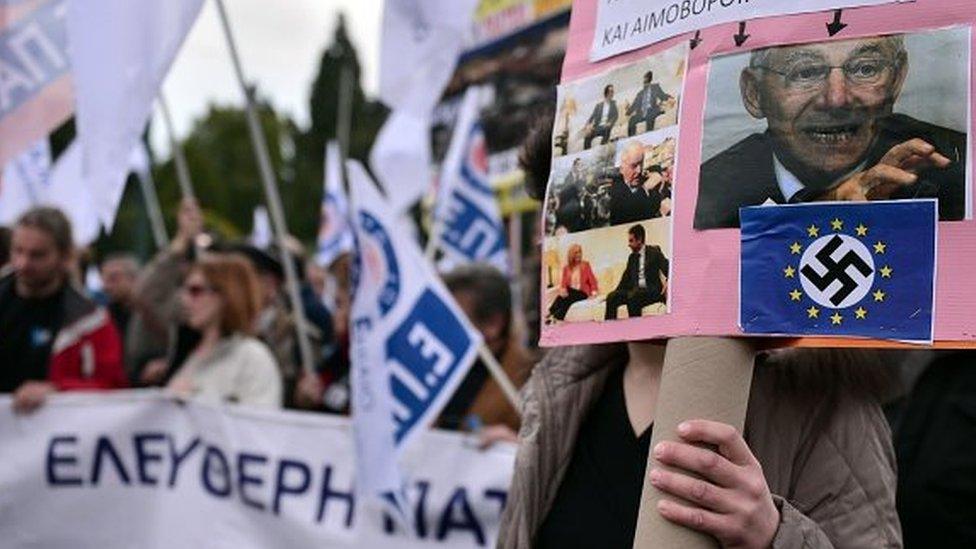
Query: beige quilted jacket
[836, 489]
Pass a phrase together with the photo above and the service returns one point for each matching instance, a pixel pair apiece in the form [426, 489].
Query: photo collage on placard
[873, 118]
[607, 218]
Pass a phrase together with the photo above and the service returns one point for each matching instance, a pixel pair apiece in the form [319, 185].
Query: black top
[27, 331]
[598, 500]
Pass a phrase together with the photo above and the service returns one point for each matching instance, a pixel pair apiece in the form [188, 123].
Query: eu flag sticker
[839, 269]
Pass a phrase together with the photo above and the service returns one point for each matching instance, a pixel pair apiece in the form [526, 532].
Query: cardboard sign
[625, 25]
[848, 106]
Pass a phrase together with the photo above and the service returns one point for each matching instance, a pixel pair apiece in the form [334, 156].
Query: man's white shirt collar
[789, 184]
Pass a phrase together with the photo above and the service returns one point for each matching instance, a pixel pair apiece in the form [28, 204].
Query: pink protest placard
[692, 110]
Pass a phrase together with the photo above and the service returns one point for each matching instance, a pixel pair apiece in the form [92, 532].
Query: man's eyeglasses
[857, 72]
[197, 290]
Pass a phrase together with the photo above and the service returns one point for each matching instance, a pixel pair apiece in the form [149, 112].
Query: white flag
[411, 344]
[422, 41]
[335, 235]
[77, 202]
[467, 215]
[261, 228]
[120, 52]
[23, 183]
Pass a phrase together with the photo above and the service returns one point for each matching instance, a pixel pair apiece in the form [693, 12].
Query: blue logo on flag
[471, 231]
[853, 270]
[422, 355]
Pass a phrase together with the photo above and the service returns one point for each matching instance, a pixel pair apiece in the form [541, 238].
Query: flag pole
[148, 186]
[344, 115]
[182, 171]
[497, 372]
[271, 194]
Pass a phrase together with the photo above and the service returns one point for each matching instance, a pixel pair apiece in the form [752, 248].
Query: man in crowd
[645, 280]
[53, 337]
[646, 106]
[485, 296]
[602, 119]
[832, 135]
[119, 273]
[630, 200]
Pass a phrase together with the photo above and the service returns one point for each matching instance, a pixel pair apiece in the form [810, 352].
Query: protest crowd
[349, 321]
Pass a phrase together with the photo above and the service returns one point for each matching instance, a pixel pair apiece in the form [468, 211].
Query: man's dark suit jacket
[598, 113]
[743, 174]
[657, 95]
[654, 262]
[630, 207]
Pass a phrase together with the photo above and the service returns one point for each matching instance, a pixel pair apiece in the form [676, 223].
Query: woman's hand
[731, 500]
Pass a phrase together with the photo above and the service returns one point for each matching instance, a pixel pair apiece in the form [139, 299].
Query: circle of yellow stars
[837, 226]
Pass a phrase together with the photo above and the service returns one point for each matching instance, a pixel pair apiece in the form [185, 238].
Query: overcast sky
[280, 43]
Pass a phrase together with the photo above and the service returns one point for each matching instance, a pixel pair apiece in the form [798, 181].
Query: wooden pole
[703, 378]
[275, 209]
[149, 197]
[179, 159]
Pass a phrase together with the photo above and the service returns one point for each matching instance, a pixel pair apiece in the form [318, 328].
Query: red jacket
[587, 281]
[87, 350]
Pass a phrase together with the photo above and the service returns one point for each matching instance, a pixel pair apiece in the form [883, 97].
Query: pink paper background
[705, 269]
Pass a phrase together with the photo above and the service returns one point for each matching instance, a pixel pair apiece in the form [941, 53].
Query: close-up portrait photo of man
[835, 125]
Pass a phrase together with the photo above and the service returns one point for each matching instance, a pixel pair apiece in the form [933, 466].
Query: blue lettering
[144, 457]
[468, 522]
[179, 456]
[54, 459]
[103, 447]
[243, 479]
[500, 495]
[282, 488]
[327, 493]
[213, 455]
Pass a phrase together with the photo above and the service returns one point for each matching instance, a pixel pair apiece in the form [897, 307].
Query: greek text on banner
[136, 469]
[625, 25]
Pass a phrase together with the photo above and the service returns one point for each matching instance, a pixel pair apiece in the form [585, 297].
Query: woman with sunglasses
[221, 300]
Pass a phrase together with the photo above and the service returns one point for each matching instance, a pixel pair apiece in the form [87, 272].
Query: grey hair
[760, 58]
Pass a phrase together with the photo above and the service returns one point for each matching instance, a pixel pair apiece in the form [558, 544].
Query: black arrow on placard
[696, 40]
[742, 36]
[836, 26]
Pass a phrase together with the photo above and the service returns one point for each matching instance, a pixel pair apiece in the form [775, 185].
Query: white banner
[625, 25]
[335, 236]
[135, 469]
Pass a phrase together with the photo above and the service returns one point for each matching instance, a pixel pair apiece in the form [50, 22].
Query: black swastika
[836, 270]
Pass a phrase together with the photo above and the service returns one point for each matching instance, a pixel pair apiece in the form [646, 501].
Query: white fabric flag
[120, 51]
[422, 40]
[411, 344]
[23, 183]
[467, 215]
[76, 201]
[335, 235]
[261, 228]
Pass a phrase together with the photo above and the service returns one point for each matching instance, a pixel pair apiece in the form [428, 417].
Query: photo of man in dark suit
[645, 280]
[832, 134]
[632, 197]
[602, 119]
[646, 106]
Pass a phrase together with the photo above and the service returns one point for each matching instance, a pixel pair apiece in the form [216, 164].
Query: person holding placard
[813, 467]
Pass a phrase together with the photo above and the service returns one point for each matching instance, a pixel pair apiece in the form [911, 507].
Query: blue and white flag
[839, 269]
[335, 235]
[411, 344]
[467, 214]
